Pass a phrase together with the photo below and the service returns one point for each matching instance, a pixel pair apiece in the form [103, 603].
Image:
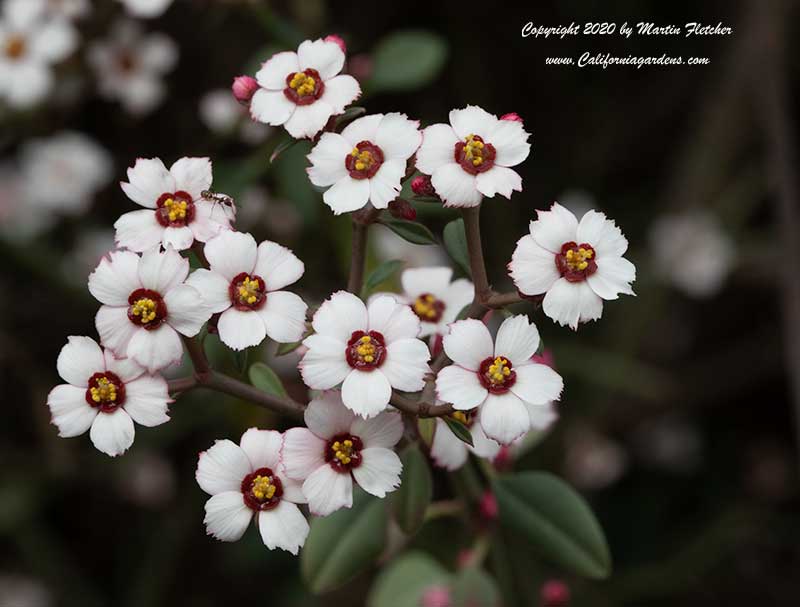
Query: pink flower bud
[244, 87]
[554, 593]
[511, 116]
[488, 506]
[338, 40]
[436, 596]
[421, 185]
[402, 209]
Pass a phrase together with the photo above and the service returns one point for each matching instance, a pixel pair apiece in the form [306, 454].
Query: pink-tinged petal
[277, 265]
[532, 268]
[192, 175]
[406, 364]
[362, 129]
[473, 120]
[273, 72]
[308, 120]
[504, 417]
[271, 107]
[179, 239]
[292, 489]
[327, 159]
[148, 179]
[420, 281]
[555, 227]
[324, 365]
[126, 369]
[603, 234]
[240, 329]
[460, 387]
[447, 450]
[325, 57]
[115, 329]
[71, 414]
[379, 472]
[537, 384]
[326, 416]
[231, 253]
[213, 288]
[455, 186]
[112, 433]
[147, 399]
[303, 452]
[284, 316]
[162, 271]
[222, 468]
[328, 490]
[397, 136]
[385, 185]
[347, 195]
[227, 516]
[468, 343]
[482, 445]
[340, 92]
[283, 527]
[542, 416]
[384, 430]
[187, 310]
[156, 349]
[498, 180]
[517, 339]
[437, 149]
[569, 303]
[115, 278]
[79, 359]
[392, 319]
[210, 218]
[138, 230]
[340, 315]
[53, 40]
[262, 448]
[613, 276]
[366, 393]
[510, 142]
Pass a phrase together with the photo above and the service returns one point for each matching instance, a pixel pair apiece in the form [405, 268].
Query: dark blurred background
[678, 421]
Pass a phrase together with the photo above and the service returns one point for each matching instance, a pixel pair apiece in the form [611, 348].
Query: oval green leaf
[474, 587]
[407, 60]
[459, 429]
[380, 274]
[411, 231]
[455, 241]
[404, 581]
[265, 379]
[413, 497]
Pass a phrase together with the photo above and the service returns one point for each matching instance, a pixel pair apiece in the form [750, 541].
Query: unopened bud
[244, 87]
[338, 40]
[513, 116]
[402, 209]
[421, 185]
[554, 593]
[488, 506]
[436, 596]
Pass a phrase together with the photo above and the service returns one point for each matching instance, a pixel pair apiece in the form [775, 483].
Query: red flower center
[343, 452]
[106, 392]
[304, 88]
[497, 375]
[428, 308]
[364, 161]
[474, 155]
[576, 262]
[146, 308]
[261, 490]
[174, 210]
[366, 351]
[247, 292]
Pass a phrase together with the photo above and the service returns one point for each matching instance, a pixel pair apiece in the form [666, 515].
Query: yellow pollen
[460, 416]
[343, 450]
[15, 47]
[578, 260]
[104, 392]
[249, 290]
[176, 209]
[364, 159]
[473, 150]
[366, 349]
[425, 305]
[498, 371]
[262, 488]
[145, 309]
[303, 84]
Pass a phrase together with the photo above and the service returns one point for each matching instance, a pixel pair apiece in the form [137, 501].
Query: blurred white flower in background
[692, 252]
[130, 65]
[593, 460]
[69, 9]
[90, 247]
[146, 9]
[19, 220]
[223, 115]
[21, 591]
[147, 479]
[671, 443]
[31, 41]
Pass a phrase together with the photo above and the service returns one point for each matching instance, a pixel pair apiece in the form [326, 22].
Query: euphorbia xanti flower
[576, 265]
[104, 395]
[302, 90]
[370, 349]
[470, 157]
[248, 480]
[338, 448]
[244, 284]
[147, 306]
[500, 378]
[365, 163]
[449, 451]
[175, 214]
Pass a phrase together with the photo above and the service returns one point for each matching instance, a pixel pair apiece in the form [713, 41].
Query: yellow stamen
[249, 290]
[303, 84]
[578, 260]
[498, 370]
[460, 416]
[473, 150]
[176, 209]
[364, 159]
[425, 306]
[145, 308]
[262, 488]
[343, 450]
[104, 392]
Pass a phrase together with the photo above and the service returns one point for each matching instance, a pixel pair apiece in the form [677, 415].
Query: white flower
[337, 448]
[146, 9]
[692, 251]
[244, 283]
[69, 9]
[302, 90]
[371, 349]
[223, 115]
[147, 306]
[449, 451]
[500, 378]
[130, 66]
[30, 43]
[365, 163]
[179, 214]
[248, 479]
[105, 395]
[65, 171]
[470, 157]
[576, 265]
[19, 219]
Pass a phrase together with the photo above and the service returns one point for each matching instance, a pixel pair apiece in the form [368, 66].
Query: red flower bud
[244, 87]
[554, 593]
[402, 209]
[436, 596]
[421, 185]
[338, 40]
[511, 116]
[488, 506]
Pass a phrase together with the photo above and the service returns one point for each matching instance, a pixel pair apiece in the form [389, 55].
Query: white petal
[308, 120]
[146, 400]
[420, 281]
[458, 295]
[437, 149]
[186, 310]
[227, 516]
[498, 180]
[277, 265]
[271, 107]
[532, 268]
[27, 83]
[192, 175]
[222, 468]
[210, 218]
[473, 120]
[340, 92]
[326, 416]
[112, 433]
[366, 393]
[327, 160]
[274, 71]
[447, 450]
[397, 136]
[613, 276]
[303, 452]
[292, 489]
[328, 490]
[115, 278]
[340, 316]
[324, 365]
[231, 253]
[284, 316]
[555, 227]
[347, 195]
[179, 239]
[393, 320]
[362, 129]
[460, 387]
[148, 179]
[115, 329]
[385, 185]
[510, 142]
[325, 57]
[406, 364]
[517, 339]
[79, 359]
[569, 303]
[162, 270]
[455, 186]
[603, 234]
[283, 527]
[384, 430]
[213, 288]
[537, 384]
[262, 448]
[70, 412]
[379, 472]
[542, 416]
[156, 349]
[126, 369]
[504, 417]
[138, 230]
[482, 445]
[240, 329]
[468, 343]
[157, 52]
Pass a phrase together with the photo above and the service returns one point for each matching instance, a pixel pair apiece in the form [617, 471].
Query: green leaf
[407, 60]
[427, 428]
[344, 544]
[460, 430]
[412, 498]
[455, 241]
[286, 348]
[555, 519]
[350, 114]
[264, 378]
[464, 313]
[474, 587]
[380, 274]
[287, 142]
[411, 231]
[405, 580]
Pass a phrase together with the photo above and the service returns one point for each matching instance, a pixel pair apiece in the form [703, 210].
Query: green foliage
[380, 274]
[265, 379]
[459, 429]
[474, 587]
[455, 241]
[413, 497]
[405, 580]
[413, 232]
[407, 60]
[286, 348]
